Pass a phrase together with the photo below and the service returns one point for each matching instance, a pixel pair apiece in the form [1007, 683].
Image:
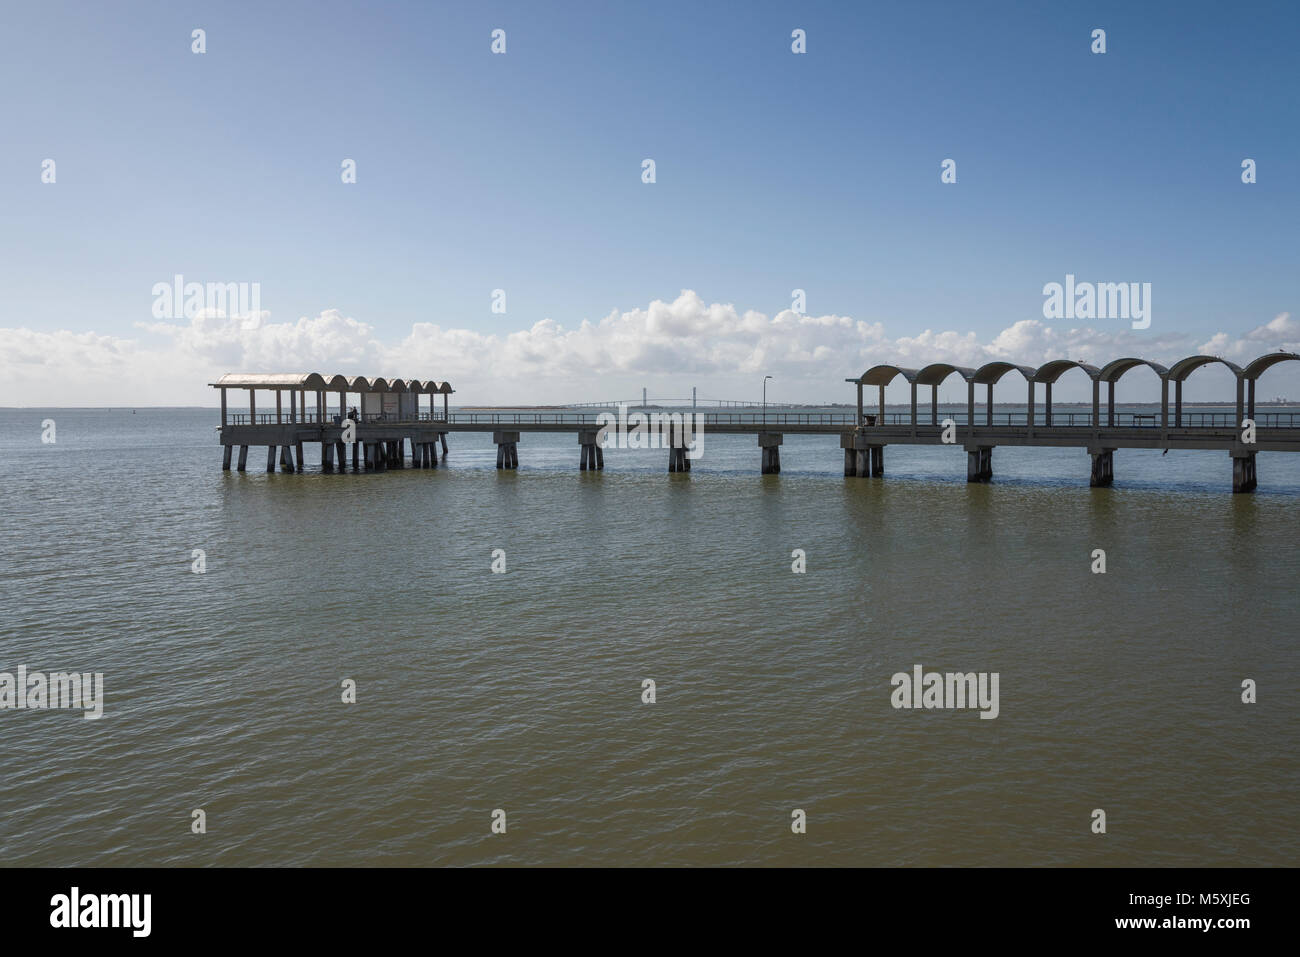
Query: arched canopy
[992, 372]
[270, 381]
[1181, 369]
[885, 374]
[445, 388]
[1256, 368]
[1112, 370]
[1051, 371]
[314, 381]
[936, 372]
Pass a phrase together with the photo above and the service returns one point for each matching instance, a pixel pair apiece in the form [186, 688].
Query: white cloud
[668, 346]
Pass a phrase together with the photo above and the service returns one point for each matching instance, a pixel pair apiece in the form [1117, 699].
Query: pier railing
[1082, 420]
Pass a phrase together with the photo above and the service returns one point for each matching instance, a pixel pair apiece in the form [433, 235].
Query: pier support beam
[1243, 471]
[443, 437]
[678, 460]
[300, 460]
[270, 458]
[355, 454]
[862, 457]
[286, 459]
[225, 458]
[592, 457]
[326, 457]
[1103, 467]
[979, 463]
[243, 457]
[770, 443]
[507, 449]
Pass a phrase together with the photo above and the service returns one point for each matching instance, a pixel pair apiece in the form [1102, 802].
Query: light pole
[765, 378]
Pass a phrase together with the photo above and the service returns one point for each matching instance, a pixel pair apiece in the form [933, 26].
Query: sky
[522, 171]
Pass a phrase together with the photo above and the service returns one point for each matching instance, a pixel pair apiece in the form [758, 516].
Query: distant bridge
[693, 403]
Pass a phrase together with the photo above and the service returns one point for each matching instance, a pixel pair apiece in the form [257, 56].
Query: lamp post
[765, 378]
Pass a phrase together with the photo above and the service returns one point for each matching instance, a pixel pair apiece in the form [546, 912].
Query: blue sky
[774, 170]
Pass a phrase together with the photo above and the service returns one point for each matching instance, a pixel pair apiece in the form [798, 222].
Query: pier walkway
[390, 414]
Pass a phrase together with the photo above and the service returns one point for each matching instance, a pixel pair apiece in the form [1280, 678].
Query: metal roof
[277, 381]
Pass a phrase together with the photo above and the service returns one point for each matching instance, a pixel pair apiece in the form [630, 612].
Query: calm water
[522, 691]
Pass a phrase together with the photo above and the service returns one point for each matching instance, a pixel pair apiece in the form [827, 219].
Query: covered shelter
[380, 399]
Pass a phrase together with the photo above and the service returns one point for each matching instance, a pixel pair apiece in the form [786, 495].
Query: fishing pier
[390, 413]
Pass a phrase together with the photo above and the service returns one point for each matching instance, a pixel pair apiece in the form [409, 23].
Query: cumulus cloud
[668, 346]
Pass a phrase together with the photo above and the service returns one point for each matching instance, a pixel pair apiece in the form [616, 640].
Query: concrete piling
[243, 457]
[1103, 467]
[1244, 478]
[270, 458]
[770, 443]
[507, 449]
[979, 463]
[225, 458]
[591, 458]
